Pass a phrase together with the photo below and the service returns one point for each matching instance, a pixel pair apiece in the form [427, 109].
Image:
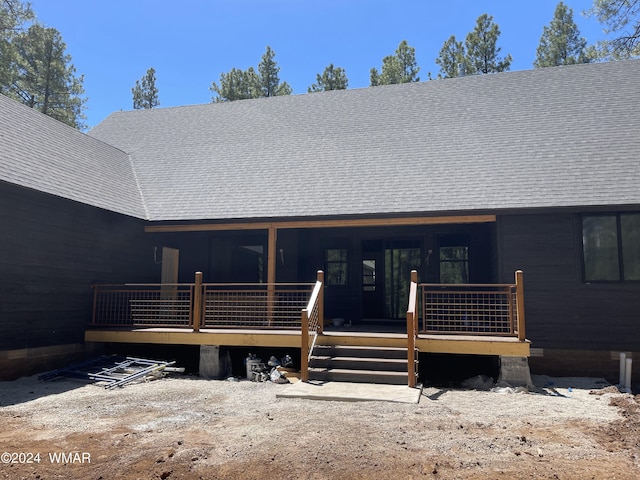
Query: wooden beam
[509, 347]
[271, 272]
[272, 255]
[203, 337]
[336, 223]
[478, 346]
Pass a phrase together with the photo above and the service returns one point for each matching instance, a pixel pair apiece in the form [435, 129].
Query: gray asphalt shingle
[43, 154]
[555, 137]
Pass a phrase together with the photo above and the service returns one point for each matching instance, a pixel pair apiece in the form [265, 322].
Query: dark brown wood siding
[562, 311]
[51, 251]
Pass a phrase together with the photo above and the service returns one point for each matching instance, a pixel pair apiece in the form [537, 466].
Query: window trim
[618, 219]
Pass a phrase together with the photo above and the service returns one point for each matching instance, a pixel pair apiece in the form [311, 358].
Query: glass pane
[336, 273]
[630, 228]
[398, 265]
[337, 255]
[600, 248]
[454, 264]
[369, 275]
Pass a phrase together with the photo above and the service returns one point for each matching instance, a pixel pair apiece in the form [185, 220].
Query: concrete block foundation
[515, 371]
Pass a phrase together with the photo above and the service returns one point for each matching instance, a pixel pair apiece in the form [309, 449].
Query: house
[464, 180]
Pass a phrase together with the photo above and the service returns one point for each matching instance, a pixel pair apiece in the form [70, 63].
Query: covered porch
[476, 319]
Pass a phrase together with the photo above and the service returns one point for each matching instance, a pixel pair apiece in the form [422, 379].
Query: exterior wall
[574, 327]
[51, 251]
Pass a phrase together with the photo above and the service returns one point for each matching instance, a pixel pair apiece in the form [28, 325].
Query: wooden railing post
[320, 278]
[520, 304]
[414, 279]
[304, 347]
[197, 303]
[412, 330]
[411, 348]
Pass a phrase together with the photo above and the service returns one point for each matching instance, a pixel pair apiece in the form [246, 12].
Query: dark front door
[386, 273]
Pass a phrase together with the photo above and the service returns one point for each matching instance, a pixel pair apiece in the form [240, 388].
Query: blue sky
[191, 42]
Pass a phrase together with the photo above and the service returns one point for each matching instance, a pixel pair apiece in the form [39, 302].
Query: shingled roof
[43, 154]
[538, 139]
[553, 137]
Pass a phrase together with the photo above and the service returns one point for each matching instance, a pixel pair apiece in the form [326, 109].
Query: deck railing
[312, 325]
[489, 309]
[475, 309]
[412, 329]
[254, 306]
[197, 305]
[150, 305]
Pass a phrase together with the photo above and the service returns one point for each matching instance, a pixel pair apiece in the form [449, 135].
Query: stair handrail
[412, 329]
[312, 325]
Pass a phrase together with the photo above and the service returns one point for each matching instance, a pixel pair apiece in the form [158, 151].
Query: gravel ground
[186, 427]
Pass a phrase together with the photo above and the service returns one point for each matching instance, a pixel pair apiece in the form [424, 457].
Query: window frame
[617, 216]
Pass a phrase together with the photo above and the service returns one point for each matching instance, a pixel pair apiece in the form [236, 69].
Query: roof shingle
[43, 154]
[553, 137]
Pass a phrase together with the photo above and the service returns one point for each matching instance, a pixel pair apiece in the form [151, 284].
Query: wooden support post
[304, 347]
[271, 272]
[520, 304]
[412, 330]
[320, 278]
[197, 303]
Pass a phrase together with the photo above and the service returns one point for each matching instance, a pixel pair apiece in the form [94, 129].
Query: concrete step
[359, 363]
[357, 376]
[359, 351]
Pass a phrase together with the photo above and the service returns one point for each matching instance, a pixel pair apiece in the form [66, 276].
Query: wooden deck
[453, 344]
[456, 319]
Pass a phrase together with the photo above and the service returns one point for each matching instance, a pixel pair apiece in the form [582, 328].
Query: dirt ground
[186, 427]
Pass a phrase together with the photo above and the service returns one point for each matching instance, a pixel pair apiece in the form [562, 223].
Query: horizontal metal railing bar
[246, 286]
[466, 285]
[258, 284]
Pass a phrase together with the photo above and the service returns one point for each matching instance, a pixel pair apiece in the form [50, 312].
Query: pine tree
[13, 16]
[621, 18]
[243, 84]
[451, 59]
[237, 85]
[482, 48]
[269, 80]
[44, 78]
[399, 68]
[561, 43]
[145, 93]
[333, 78]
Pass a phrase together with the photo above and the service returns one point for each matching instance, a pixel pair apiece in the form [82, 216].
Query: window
[611, 247]
[336, 270]
[454, 264]
[369, 275]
